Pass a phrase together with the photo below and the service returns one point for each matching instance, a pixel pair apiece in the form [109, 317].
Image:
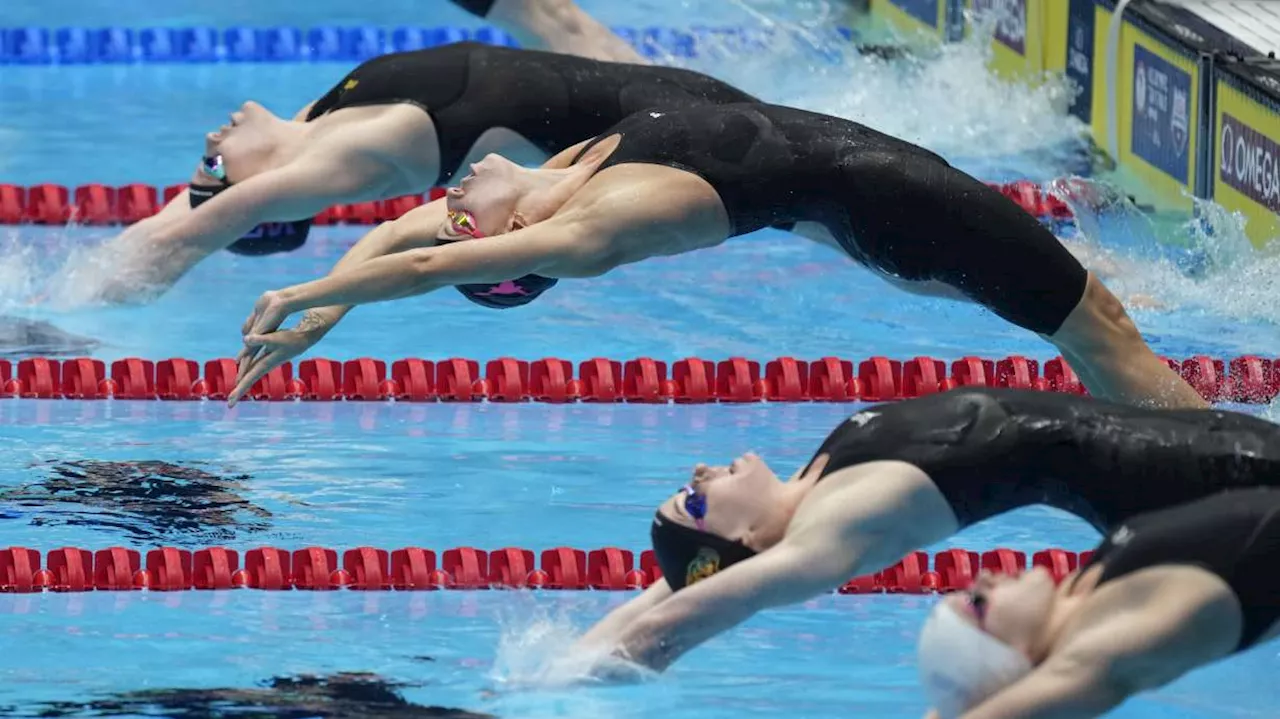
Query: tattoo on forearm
[311, 320]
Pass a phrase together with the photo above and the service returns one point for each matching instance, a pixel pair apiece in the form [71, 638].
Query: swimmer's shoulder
[1150, 626]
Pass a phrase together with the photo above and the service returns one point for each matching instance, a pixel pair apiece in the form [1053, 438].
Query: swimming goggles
[212, 166]
[695, 505]
[979, 604]
[464, 222]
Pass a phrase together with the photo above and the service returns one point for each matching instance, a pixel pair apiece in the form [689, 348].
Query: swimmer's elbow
[426, 271]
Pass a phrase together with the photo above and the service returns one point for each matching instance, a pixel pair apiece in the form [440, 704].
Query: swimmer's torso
[1235, 535]
[993, 450]
[552, 100]
[771, 165]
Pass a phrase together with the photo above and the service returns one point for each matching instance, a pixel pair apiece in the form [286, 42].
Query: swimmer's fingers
[268, 314]
[267, 355]
[264, 353]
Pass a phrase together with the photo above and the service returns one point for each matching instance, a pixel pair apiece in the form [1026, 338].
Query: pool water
[143, 474]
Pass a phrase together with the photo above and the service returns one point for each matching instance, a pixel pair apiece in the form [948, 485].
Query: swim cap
[508, 294]
[961, 665]
[268, 238]
[687, 555]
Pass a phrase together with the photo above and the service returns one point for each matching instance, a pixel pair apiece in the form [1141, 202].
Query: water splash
[65, 271]
[943, 98]
[538, 649]
[19, 273]
[539, 672]
[1202, 262]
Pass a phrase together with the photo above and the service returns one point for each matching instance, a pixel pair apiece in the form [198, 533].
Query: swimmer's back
[553, 100]
[771, 165]
[892, 206]
[993, 450]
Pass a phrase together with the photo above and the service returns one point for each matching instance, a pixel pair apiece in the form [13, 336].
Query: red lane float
[97, 204]
[1250, 379]
[366, 568]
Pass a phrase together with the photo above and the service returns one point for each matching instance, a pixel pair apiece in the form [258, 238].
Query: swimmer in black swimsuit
[1166, 592]
[395, 125]
[554, 25]
[667, 182]
[897, 477]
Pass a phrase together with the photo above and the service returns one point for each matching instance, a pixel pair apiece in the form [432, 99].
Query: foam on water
[538, 670]
[537, 650]
[1203, 263]
[942, 98]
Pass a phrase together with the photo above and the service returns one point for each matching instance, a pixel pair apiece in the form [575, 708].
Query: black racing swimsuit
[894, 207]
[555, 101]
[993, 450]
[1235, 535]
[479, 8]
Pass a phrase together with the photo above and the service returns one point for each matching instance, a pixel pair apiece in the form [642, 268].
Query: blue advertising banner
[926, 11]
[1080, 35]
[1161, 114]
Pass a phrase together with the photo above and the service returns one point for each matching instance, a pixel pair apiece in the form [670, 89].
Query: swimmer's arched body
[1165, 593]
[897, 477]
[395, 125]
[669, 182]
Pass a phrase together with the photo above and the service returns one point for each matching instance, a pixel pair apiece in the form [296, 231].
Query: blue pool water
[536, 476]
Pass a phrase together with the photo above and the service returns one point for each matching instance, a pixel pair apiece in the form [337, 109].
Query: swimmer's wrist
[316, 323]
[293, 299]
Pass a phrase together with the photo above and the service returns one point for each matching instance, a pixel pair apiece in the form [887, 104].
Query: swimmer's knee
[1098, 322]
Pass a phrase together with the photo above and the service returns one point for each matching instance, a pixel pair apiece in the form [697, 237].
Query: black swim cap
[512, 293]
[268, 238]
[507, 294]
[687, 555]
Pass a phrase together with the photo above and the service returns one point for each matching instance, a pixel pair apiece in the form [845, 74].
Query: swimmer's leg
[1103, 344]
[919, 218]
[818, 233]
[555, 25]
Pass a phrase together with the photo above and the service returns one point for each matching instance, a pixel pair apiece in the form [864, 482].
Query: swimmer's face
[738, 497]
[245, 142]
[1011, 609]
[489, 194]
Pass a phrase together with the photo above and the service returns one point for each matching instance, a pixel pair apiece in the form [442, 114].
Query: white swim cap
[961, 665]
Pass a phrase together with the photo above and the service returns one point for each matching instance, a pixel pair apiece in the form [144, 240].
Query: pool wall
[1184, 107]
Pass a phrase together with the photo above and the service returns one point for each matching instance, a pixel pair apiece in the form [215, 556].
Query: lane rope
[1250, 379]
[96, 204]
[349, 44]
[168, 569]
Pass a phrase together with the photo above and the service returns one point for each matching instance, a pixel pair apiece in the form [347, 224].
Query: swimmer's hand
[596, 668]
[579, 667]
[265, 351]
[269, 312]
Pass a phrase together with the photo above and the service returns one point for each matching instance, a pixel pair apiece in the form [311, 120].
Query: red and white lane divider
[1251, 379]
[97, 204]
[168, 569]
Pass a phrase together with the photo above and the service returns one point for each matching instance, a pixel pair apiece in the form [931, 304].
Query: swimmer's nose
[454, 192]
[237, 118]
